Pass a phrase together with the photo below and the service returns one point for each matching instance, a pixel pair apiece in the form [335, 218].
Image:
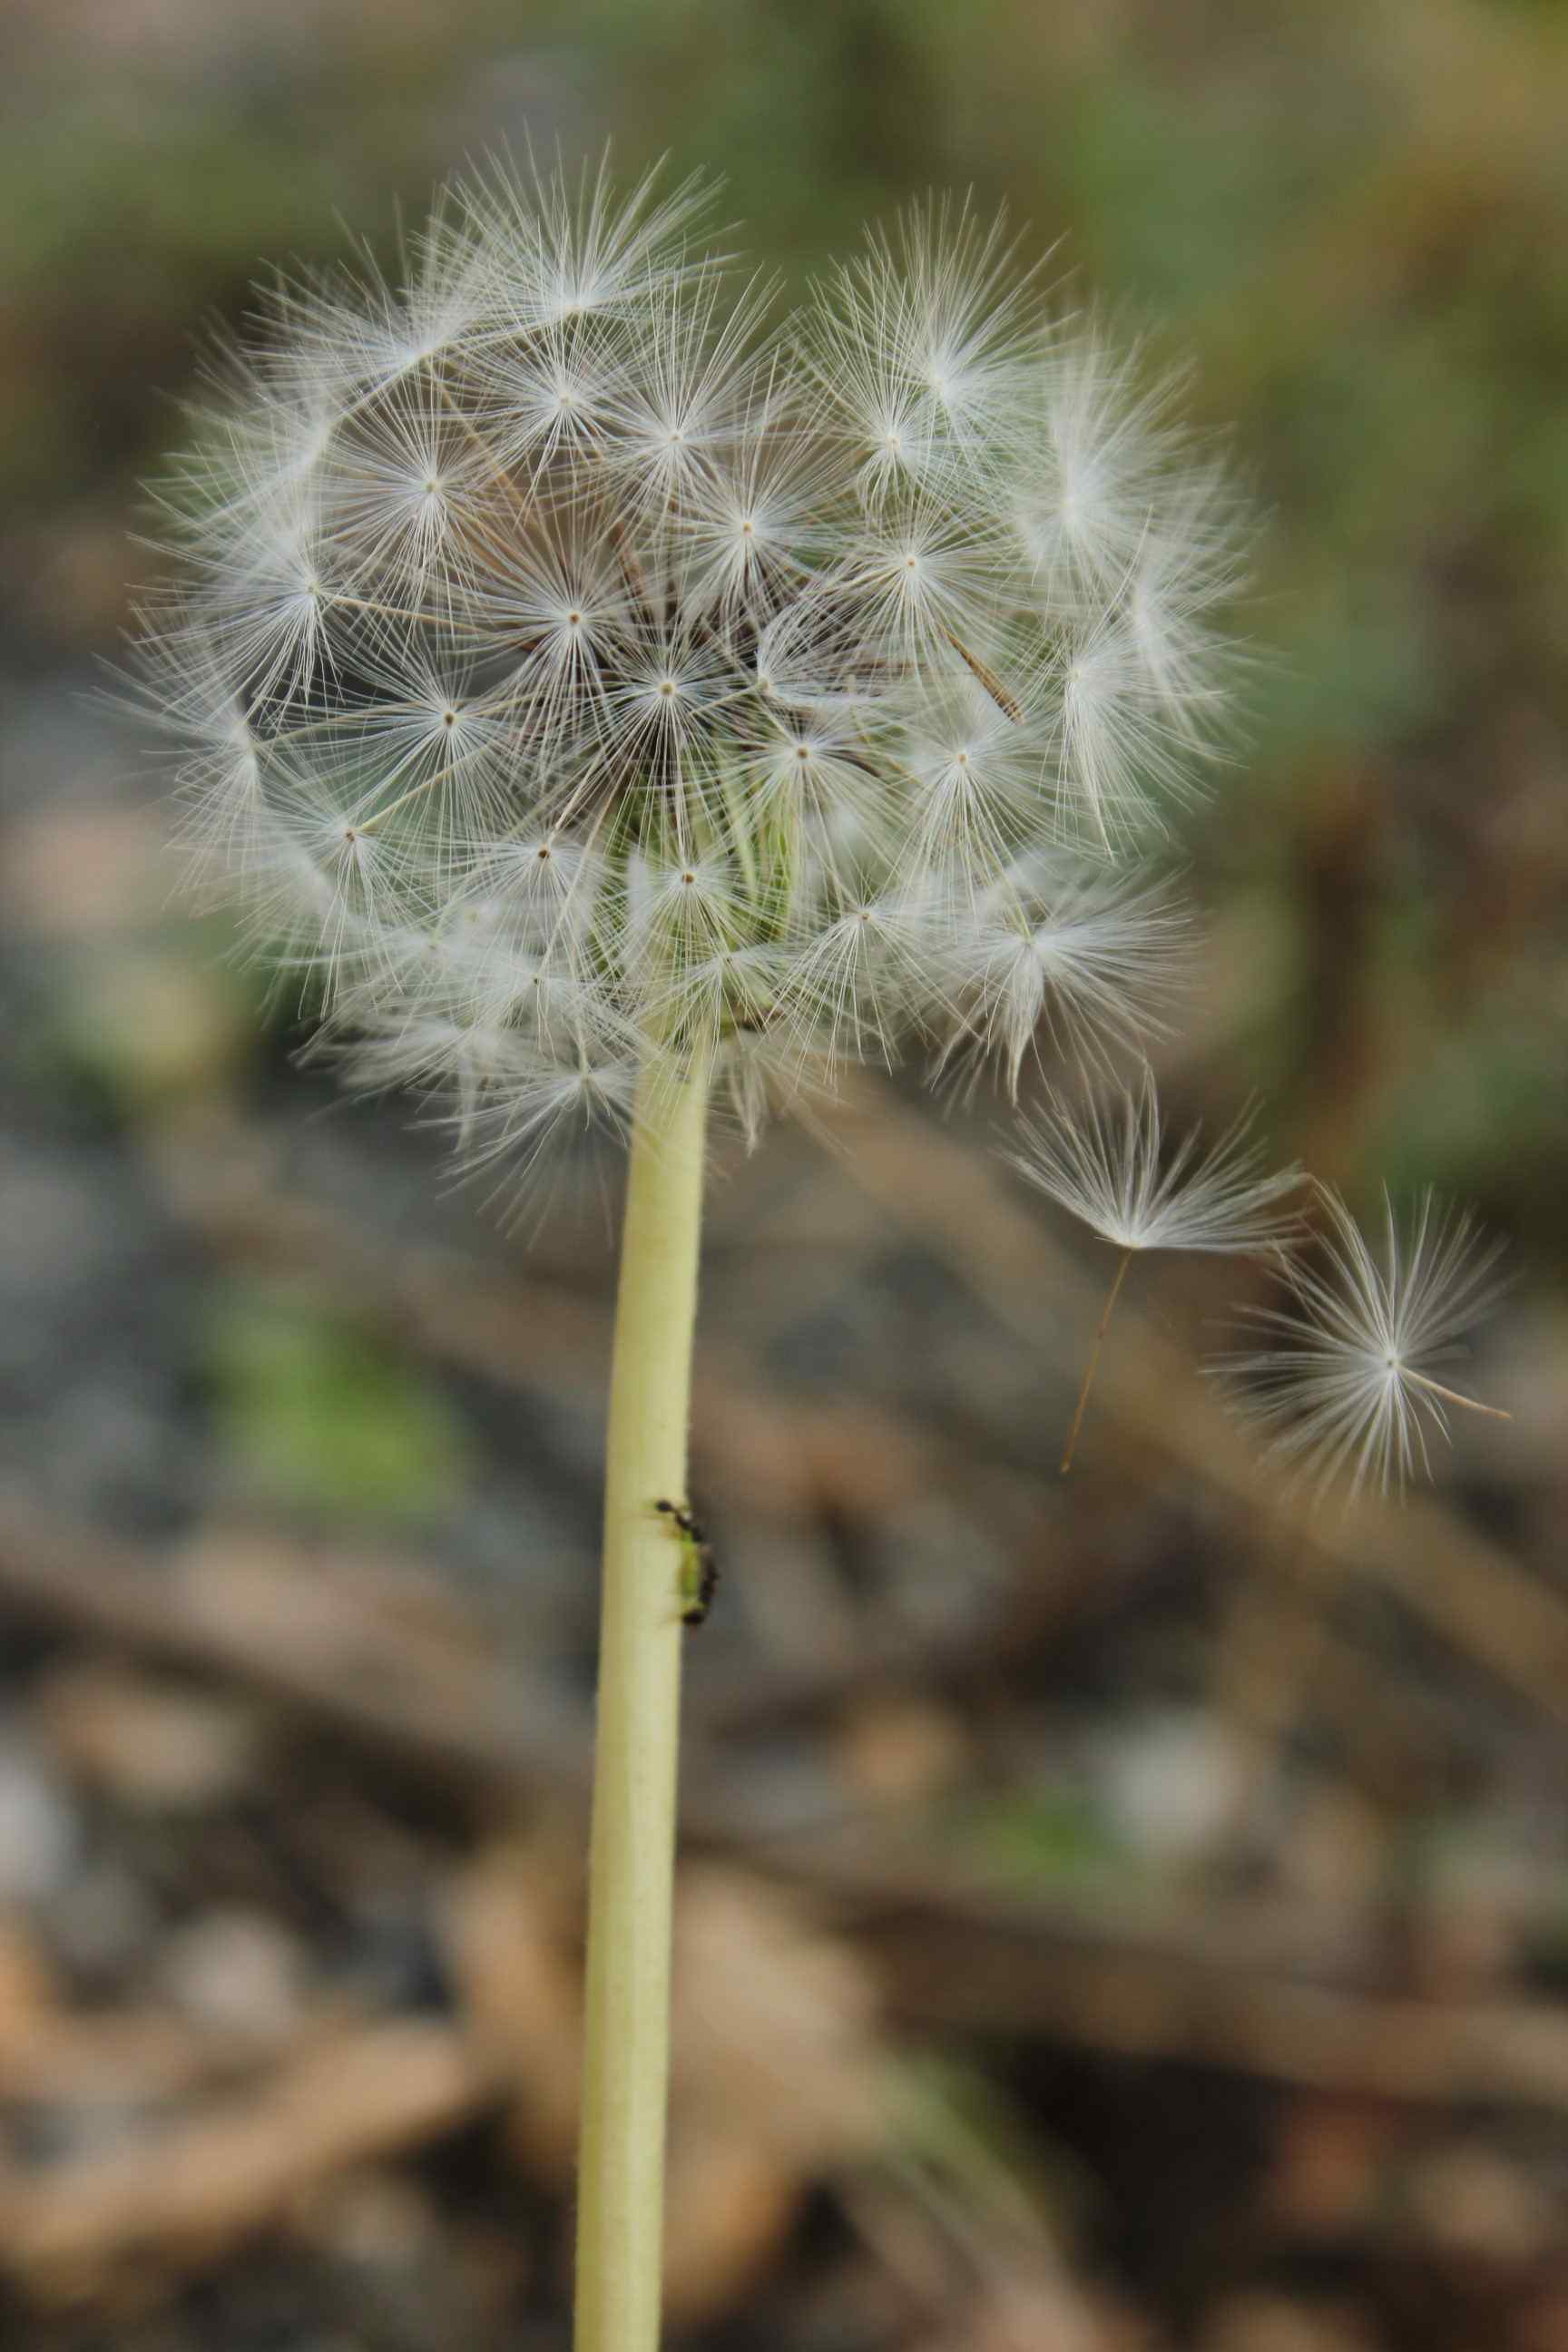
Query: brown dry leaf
[514, 1939]
[900, 1749]
[776, 2078]
[149, 1741]
[1469, 2199]
[396, 1620]
[1028, 2313]
[51, 2057]
[192, 2191]
[1118, 2324]
[27, 1994]
[1330, 2158]
[127, 2059]
[774, 2019]
[1543, 2323]
[731, 2203]
[1258, 2321]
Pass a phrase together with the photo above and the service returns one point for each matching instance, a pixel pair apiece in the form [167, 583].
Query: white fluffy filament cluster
[1343, 1380]
[577, 671]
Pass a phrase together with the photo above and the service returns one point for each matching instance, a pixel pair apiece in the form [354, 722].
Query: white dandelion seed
[1108, 1164]
[922, 584]
[550, 396]
[974, 771]
[925, 348]
[552, 249]
[1120, 754]
[1107, 459]
[686, 388]
[1089, 954]
[968, 326]
[1346, 1379]
[396, 481]
[751, 524]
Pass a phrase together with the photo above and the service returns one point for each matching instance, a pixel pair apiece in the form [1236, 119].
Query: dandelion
[609, 701]
[559, 539]
[1346, 1377]
[1106, 1164]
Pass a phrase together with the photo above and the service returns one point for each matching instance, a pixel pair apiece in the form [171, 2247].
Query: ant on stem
[699, 1568]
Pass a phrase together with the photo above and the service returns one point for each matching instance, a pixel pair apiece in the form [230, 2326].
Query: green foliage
[316, 1415]
[1041, 1839]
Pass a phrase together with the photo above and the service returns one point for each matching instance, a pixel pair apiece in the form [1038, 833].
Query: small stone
[236, 1972]
[39, 1834]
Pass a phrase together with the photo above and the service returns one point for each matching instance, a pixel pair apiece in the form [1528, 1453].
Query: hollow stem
[620, 2187]
[1088, 1370]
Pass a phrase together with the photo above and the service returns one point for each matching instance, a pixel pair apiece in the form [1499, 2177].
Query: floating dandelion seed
[1106, 1163]
[1347, 1378]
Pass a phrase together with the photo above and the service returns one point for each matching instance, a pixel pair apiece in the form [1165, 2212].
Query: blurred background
[1116, 1915]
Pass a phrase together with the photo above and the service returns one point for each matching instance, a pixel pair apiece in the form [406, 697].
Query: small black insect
[699, 1568]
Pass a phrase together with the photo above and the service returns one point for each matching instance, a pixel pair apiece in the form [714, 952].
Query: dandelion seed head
[576, 666]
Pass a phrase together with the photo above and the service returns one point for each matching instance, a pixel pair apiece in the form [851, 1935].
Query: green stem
[620, 2191]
